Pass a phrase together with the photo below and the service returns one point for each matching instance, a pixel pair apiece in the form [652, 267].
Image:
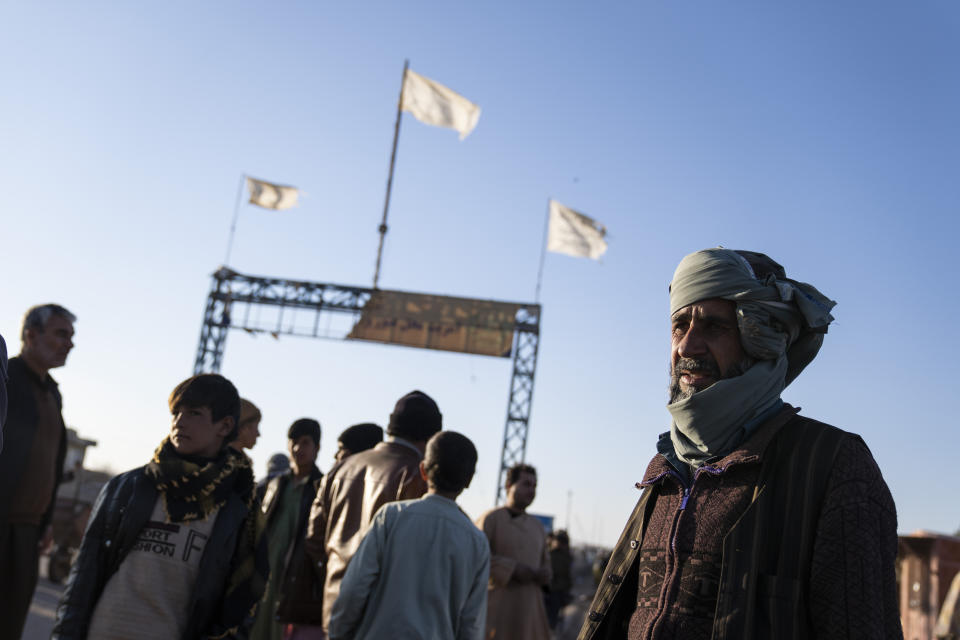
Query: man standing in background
[31, 462]
[301, 605]
[561, 583]
[357, 438]
[286, 505]
[519, 563]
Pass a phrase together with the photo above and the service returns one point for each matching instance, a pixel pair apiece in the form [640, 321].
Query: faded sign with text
[465, 325]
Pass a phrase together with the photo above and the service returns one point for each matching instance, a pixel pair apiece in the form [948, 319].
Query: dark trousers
[18, 566]
[555, 601]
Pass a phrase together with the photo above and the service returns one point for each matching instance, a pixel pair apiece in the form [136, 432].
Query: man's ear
[226, 426]
[423, 472]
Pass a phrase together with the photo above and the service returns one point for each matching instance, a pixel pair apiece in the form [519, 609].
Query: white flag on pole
[432, 103]
[271, 196]
[575, 234]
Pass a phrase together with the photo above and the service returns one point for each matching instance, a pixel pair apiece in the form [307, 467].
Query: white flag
[575, 234]
[432, 103]
[271, 196]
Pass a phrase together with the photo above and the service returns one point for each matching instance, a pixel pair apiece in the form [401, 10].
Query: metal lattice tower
[234, 300]
[520, 401]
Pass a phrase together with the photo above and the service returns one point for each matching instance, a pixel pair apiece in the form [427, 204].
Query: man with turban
[754, 522]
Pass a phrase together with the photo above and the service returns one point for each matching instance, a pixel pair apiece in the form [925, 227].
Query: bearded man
[754, 522]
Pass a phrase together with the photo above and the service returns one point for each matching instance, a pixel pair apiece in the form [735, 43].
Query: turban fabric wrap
[781, 323]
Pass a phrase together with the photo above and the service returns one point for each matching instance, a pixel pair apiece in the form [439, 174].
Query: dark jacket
[301, 594]
[561, 565]
[18, 433]
[793, 535]
[122, 509]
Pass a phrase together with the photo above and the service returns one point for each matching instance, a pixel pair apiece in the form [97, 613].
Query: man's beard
[705, 365]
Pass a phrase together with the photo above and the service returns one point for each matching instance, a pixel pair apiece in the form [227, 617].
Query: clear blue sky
[823, 134]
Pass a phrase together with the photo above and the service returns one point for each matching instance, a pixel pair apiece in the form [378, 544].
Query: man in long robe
[519, 563]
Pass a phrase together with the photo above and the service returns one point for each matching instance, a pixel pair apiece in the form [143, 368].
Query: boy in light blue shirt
[421, 569]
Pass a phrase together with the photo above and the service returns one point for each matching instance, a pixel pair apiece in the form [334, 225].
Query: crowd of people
[190, 546]
[752, 522]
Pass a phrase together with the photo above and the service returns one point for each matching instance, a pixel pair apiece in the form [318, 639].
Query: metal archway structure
[483, 327]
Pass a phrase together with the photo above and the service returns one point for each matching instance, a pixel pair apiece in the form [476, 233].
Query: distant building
[75, 497]
[926, 564]
[76, 450]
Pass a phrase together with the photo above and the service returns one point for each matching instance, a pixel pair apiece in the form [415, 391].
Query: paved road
[43, 609]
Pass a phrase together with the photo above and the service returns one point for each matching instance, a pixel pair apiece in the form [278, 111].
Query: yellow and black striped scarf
[192, 491]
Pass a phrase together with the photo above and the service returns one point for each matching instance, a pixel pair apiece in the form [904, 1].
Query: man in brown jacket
[355, 488]
[754, 522]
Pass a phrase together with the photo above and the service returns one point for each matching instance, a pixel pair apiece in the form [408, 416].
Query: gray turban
[776, 315]
[781, 324]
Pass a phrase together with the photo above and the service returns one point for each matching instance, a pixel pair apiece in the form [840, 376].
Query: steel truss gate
[235, 301]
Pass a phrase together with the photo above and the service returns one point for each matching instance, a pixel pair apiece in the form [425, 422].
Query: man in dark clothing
[284, 513]
[171, 549]
[31, 462]
[355, 488]
[754, 522]
[561, 576]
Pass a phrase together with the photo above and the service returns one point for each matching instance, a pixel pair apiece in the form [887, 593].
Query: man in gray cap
[754, 522]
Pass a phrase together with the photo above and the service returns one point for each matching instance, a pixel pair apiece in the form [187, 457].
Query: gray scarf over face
[781, 324]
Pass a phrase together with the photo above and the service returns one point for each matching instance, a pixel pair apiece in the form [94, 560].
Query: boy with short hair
[422, 567]
[170, 549]
[284, 512]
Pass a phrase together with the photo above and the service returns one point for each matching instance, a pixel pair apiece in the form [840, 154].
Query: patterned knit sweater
[854, 554]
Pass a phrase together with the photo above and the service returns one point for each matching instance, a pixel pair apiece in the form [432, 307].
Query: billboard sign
[464, 325]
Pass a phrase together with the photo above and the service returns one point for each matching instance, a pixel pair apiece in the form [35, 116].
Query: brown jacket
[348, 497]
[792, 535]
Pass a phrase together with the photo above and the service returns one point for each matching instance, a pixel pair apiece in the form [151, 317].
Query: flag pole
[393, 157]
[236, 214]
[543, 252]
